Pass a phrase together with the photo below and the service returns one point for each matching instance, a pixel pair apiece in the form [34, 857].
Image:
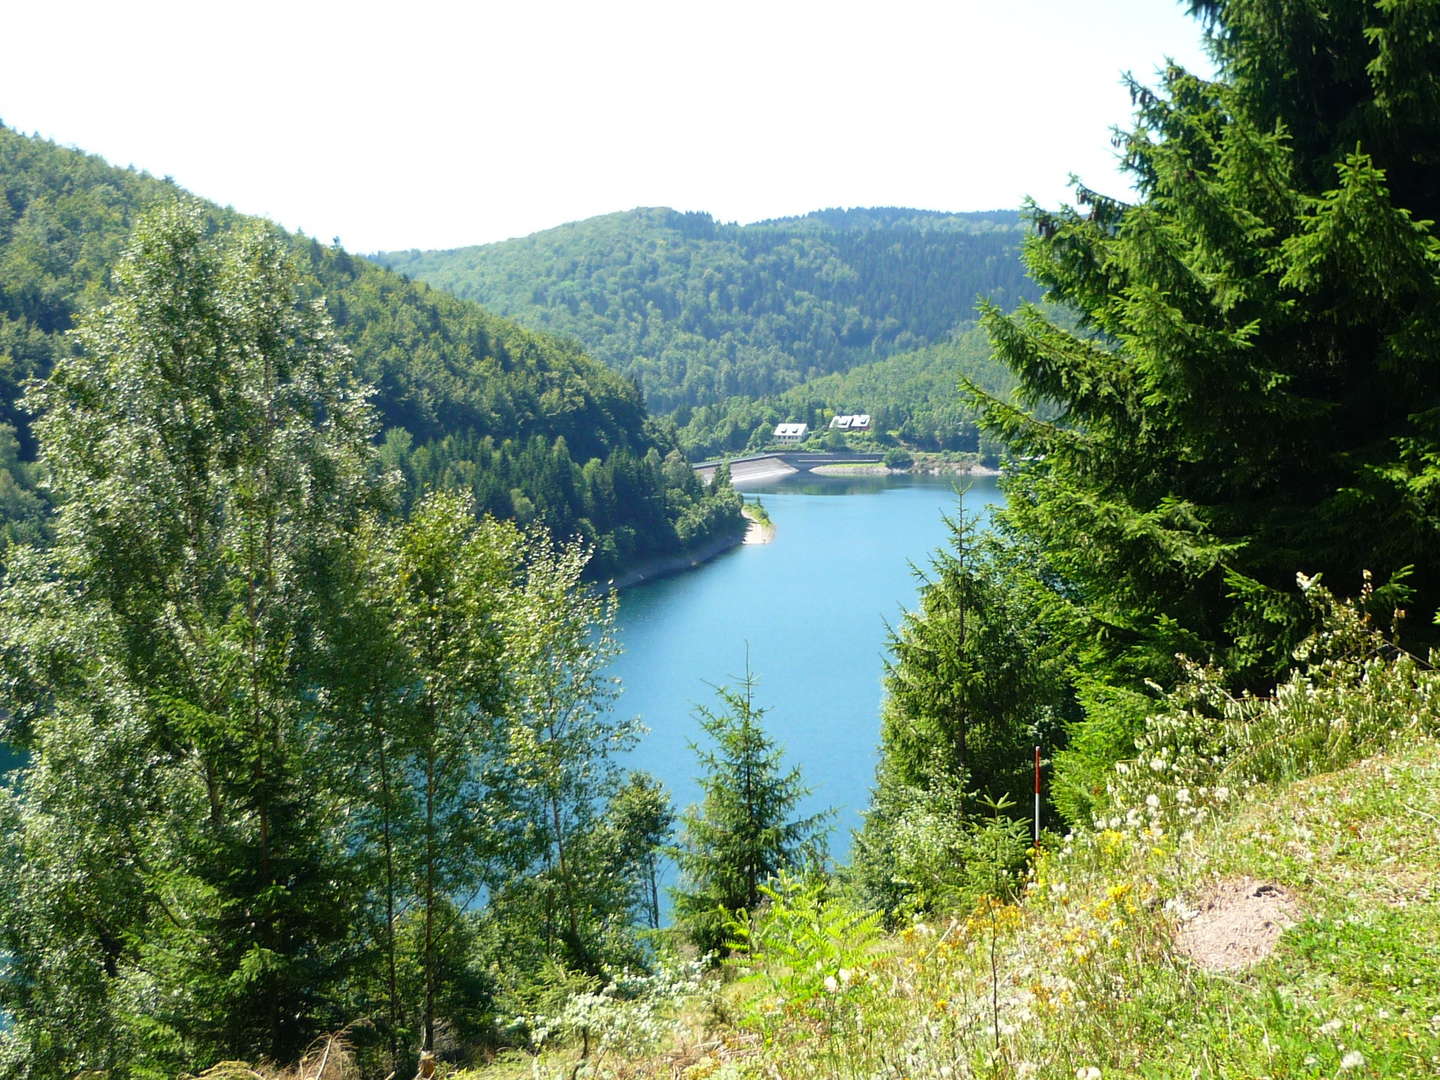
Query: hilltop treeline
[448, 374]
[699, 312]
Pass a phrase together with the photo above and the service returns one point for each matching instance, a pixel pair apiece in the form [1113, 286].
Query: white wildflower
[1152, 801]
[1087, 1072]
[831, 985]
[1353, 1060]
[1158, 764]
[1331, 1026]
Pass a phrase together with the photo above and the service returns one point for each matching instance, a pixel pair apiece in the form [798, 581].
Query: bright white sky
[434, 124]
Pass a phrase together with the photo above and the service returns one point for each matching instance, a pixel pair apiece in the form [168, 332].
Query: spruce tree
[1252, 389]
[976, 678]
[743, 834]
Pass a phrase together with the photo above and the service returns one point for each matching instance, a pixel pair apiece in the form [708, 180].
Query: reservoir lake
[812, 610]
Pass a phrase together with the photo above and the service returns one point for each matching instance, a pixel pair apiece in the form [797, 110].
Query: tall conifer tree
[1253, 389]
[743, 834]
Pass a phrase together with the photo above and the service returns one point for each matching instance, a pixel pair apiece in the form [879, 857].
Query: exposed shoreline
[750, 472]
[943, 468]
[758, 531]
[665, 565]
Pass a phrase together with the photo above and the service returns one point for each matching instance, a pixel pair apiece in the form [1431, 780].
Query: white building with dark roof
[791, 433]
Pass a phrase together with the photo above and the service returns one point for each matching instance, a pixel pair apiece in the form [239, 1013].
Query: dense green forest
[910, 397]
[534, 428]
[281, 743]
[698, 312]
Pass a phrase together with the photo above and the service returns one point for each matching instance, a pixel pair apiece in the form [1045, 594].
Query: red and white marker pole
[1037, 796]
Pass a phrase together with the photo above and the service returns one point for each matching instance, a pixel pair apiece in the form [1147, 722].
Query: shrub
[1356, 695]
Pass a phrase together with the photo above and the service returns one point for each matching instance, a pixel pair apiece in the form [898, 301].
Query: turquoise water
[811, 608]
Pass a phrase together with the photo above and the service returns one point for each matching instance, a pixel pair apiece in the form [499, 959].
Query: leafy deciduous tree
[176, 845]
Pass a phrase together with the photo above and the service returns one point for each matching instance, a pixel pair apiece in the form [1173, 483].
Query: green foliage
[631, 1015]
[978, 673]
[742, 836]
[1113, 718]
[1252, 391]
[1086, 976]
[1307, 815]
[799, 945]
[594, 831]
[516, 417]
[910, 394]
[697, 312]
[421, 693]
[279, 745]
[209, 447]
[932, 849]
[1351, 696]
[978, 676]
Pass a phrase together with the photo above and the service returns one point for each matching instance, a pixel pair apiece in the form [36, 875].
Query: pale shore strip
[758, 532]
[941, 469]
[665, 565]
[748, 472]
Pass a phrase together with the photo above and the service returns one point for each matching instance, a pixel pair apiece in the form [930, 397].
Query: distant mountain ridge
[698, 312]
[886, 217]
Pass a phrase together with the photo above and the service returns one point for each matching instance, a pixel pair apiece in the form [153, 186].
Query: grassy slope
[1085, 976]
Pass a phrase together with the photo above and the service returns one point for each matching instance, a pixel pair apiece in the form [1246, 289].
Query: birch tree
[179, 881]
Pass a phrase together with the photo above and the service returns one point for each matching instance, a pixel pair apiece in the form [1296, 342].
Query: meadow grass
[1081, 978]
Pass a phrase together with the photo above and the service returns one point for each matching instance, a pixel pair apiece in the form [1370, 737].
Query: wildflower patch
[1236, 925]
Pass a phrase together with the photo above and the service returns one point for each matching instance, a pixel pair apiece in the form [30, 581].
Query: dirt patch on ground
[1237, 924]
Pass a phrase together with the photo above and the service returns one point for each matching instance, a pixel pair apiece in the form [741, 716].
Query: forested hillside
[537, 431]
[289, 759]
[911, 394]
[698, 312]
